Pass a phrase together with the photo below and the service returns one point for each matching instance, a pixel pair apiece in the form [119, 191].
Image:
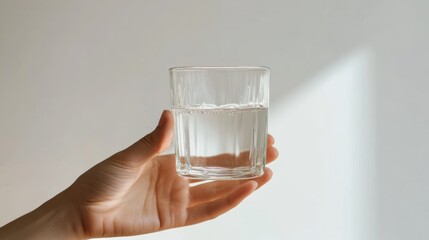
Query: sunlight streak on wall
[325, 175]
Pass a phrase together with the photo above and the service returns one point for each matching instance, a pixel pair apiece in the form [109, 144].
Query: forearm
[55, 219]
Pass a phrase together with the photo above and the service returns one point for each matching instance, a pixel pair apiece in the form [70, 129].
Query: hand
[137, 191]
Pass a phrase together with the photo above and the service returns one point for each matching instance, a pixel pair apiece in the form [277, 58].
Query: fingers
[272, 154]
[231, 160]
[210, 210]
[152, 144]
[213, 190]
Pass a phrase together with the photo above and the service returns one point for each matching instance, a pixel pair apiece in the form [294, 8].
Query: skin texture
[135, 191]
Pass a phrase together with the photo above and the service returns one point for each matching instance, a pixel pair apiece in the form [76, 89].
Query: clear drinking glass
[220, 121]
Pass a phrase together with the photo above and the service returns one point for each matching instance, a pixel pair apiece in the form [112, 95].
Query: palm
[157, 200]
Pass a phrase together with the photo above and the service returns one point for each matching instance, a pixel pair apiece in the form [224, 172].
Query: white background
[80, 80]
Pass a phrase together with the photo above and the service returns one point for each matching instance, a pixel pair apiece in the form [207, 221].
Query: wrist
[62, 217]
[57, 218]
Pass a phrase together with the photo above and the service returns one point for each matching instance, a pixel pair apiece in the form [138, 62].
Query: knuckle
[150, 141]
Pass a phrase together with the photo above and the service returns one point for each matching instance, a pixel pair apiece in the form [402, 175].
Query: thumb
[152, 144]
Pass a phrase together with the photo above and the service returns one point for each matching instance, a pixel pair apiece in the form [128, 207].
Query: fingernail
[254, 184]
[271, 174]
[274, 141]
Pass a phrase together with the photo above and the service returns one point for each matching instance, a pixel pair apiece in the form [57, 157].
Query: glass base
[217, 173]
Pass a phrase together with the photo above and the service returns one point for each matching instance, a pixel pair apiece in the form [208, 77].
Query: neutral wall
[80, 80]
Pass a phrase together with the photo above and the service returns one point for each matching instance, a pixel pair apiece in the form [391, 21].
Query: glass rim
[218, 68]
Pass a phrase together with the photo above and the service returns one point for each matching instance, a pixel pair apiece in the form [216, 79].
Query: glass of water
[220, 121]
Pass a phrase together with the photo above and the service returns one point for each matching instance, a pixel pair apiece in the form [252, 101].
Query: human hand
[137, 191]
